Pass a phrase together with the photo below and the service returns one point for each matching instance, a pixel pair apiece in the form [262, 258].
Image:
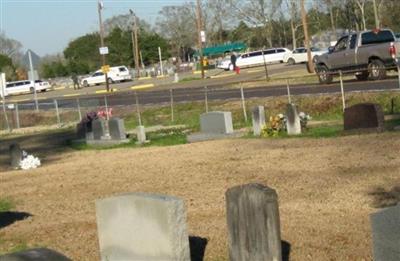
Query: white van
[19, 87]
[116, 74]
[256, 58]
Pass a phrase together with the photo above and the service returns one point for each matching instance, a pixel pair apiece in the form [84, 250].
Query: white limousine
[256, 58]
[20, 87]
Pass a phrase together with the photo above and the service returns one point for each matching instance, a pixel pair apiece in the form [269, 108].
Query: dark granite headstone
[253, 223]
[117, 129]
[84, 130]
[37, 254]
[364, 116]
[99, 128]
[15, 155]
[386, 234]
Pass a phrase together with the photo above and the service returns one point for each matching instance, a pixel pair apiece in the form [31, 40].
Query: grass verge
[6, 204]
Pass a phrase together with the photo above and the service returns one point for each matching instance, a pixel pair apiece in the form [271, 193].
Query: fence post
[138, 109]
[342, 90]
[79, 109]
[398, 73]
[57, 112]
[206, 98]
[243, 103]
[5, 116]
[288, 91]
[17, 115]
[172, 105]
[106, 105]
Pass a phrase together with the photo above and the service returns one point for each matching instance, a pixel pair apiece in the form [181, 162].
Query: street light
[100, 6]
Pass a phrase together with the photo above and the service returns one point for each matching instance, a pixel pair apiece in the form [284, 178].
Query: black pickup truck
[367, 54]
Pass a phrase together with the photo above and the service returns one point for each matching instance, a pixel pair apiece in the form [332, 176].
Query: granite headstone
[258, 119]
[364, 116]
[36, 254]
[15, 155]
[293, 124]
[117, 129]
[219, 122]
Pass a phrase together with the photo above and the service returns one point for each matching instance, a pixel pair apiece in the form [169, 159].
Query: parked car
[26, 86]
[367, 54]
[299, 55]
[255, 58]
[116, 74]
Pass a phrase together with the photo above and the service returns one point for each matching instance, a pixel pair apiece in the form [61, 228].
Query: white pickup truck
[367, 54]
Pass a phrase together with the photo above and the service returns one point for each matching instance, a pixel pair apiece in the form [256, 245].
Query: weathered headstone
[293, 125]
[216, 122]
[386, 234]
[15, 155]
[364, 116]
[37, 254]
[253, 223]
[258, 119]
[99, 128]
[141, 134]
[117, 129]
[139, 226]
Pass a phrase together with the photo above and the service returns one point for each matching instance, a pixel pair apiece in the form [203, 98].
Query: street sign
[105, 68]
[203, 36]
[103, 50]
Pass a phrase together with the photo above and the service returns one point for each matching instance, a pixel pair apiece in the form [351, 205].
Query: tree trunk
[292, 27]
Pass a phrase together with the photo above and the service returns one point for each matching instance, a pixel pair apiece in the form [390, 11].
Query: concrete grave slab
[253, 223]
[139, 226]
[386, 234]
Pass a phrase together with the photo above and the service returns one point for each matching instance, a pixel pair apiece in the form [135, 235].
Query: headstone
[117, 129]
[219, 122]
[141, 134]
[258, 119]
[15, 155]
[293, 125]
[37, 254]
[364, 116]
[253, 223]
[99, 128]
[139, 226]
[176, 77]
[84, 130]
[386, 234]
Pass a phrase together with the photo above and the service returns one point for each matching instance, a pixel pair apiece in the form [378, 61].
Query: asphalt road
[195, 91]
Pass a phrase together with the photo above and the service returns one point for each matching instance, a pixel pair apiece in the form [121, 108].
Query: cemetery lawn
[327, 188]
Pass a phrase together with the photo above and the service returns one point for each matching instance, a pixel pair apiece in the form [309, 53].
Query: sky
[47, 26]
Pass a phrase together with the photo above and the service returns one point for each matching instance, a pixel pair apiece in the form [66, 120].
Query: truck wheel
[110, 81]
[324, 75]
[362, 76]
[377, 70]
[32, 90]
[231, 67]
[85, 84]
[291, 61]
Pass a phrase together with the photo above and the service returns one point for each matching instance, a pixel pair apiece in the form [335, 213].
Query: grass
[189, 79]
[6, 204]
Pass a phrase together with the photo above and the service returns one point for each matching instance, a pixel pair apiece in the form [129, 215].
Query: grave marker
[258, 119]
[139, 226]
[293, 125]
[99, 128]
[117, 129]
[15, 155]
[253, 223]
[386, 234]
[36, 254]
[364, 116]
[218, 122]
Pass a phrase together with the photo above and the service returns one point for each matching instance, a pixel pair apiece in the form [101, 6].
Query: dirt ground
[327, 188]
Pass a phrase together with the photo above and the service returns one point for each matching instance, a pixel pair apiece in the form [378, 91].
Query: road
[195, 91]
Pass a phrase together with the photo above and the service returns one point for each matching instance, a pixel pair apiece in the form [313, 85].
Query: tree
[7, 66]
[259, 13]
[178, 25]
[10, 47]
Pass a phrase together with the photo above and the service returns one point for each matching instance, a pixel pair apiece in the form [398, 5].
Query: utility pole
[376, 15]
[199, 32]
[99, 8]
[135, 43]
[306, 37]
